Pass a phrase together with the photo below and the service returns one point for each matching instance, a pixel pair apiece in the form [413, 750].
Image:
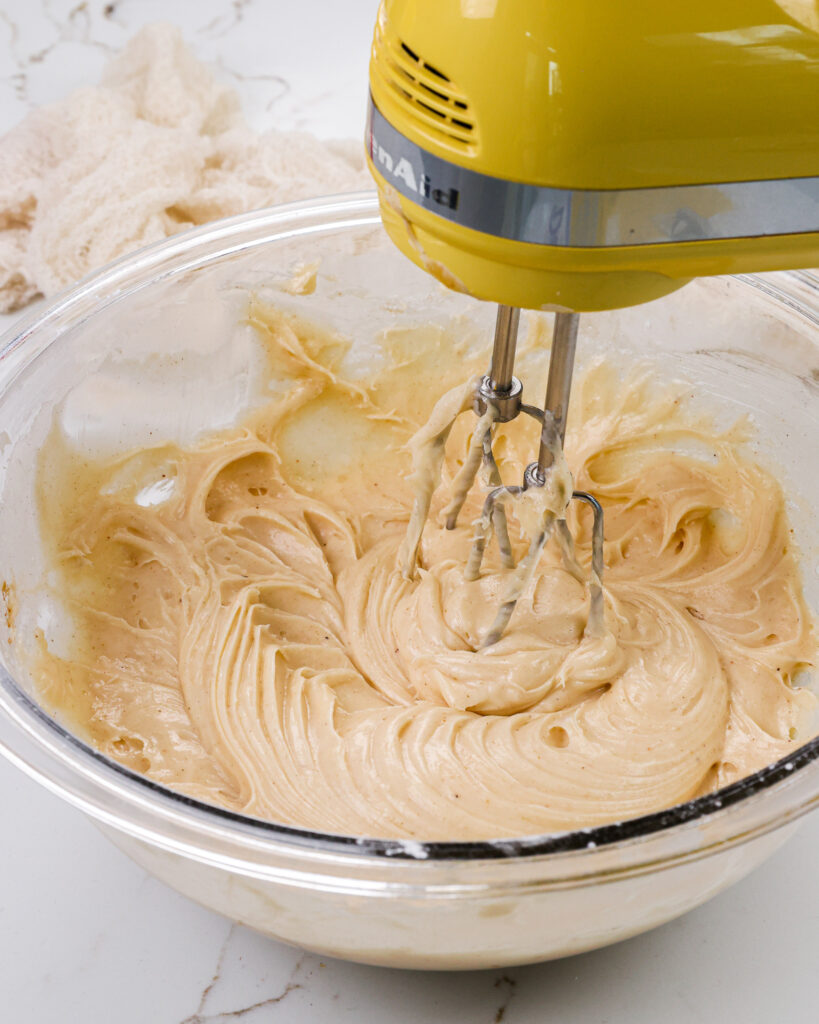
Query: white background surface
[87, 937]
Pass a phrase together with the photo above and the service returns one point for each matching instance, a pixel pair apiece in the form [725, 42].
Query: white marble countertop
[88, 937]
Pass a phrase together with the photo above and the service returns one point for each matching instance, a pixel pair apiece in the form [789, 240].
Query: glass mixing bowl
[153, 346]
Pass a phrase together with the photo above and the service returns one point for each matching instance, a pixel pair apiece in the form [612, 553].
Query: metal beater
[498, 399]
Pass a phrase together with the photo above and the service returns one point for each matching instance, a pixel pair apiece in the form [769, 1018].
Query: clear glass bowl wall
[151, 344]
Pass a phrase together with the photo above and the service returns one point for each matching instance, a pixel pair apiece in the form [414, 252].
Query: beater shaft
[559, 386]
[500, 388]
[502, 367]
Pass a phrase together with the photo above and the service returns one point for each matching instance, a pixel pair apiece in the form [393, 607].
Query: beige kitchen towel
[158, 146]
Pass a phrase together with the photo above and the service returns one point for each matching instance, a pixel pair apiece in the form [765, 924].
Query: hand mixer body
[579, 156]
[592, 155]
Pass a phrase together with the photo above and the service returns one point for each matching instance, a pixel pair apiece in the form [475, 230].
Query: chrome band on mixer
[585, 217]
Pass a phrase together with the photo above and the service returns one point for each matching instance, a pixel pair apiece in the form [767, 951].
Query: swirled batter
[244, 633]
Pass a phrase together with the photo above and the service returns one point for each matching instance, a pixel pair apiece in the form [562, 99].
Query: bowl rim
[169, 258]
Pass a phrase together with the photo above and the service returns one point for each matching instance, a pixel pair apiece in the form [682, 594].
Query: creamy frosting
[251, 628]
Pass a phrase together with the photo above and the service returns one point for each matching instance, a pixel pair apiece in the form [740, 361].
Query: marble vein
[505, 985]
[201, 1015]
[75, 26]
[280, 86]
[217, 973]
[237, 13]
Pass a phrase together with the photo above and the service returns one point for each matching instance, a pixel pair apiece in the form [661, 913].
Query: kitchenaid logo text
[419, 183]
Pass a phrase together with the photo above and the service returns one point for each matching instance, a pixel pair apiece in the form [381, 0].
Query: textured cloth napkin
[158, 146]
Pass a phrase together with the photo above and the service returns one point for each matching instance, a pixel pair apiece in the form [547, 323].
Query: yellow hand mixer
[583, 155]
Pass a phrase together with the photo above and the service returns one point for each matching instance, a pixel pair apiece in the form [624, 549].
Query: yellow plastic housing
[596, 95]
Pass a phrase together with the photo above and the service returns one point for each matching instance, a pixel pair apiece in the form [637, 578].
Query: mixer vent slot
[429, 95]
